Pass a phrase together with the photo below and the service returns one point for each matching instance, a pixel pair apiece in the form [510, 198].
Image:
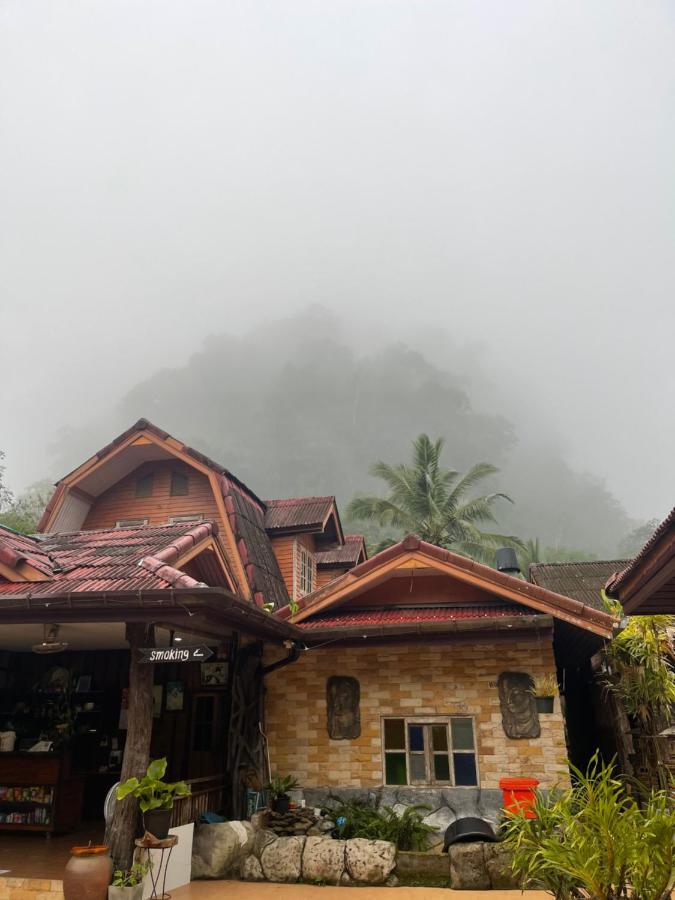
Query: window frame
[131, 522]
[428, 753]
[306, 563]
[148, 479]
[176, 473]
[189, 517]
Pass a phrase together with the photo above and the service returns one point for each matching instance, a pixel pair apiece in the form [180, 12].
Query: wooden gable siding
[424, 590]
[325, 576]
[288, 556]
[120, 501]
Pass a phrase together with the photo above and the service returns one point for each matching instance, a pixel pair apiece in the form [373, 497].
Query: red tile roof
[113, 559]
[346, 555]
[297, 512]
[16, 548]
[406, 615]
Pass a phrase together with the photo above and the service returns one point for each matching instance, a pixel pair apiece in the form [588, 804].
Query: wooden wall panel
[121, 502]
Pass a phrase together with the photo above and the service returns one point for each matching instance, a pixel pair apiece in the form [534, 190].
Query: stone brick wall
[30, 889]
[440, 679]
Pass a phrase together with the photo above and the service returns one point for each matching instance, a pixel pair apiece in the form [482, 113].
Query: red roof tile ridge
[349, 538]
[172, 576]
[185, 542]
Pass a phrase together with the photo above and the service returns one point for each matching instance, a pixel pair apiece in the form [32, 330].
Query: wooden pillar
[121, 831]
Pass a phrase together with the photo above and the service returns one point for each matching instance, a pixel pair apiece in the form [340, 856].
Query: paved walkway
[237, 890]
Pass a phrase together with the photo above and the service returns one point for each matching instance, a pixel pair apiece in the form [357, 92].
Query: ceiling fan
[50, 641]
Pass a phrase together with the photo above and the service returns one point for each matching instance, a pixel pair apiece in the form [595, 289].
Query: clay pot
[88, 873]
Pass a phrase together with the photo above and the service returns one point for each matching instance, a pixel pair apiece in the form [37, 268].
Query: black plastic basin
[469, 828]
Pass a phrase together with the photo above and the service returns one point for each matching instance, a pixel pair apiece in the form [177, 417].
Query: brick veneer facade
[436, 679]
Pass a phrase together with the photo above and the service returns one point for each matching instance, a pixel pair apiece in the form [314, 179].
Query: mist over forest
[299, 406]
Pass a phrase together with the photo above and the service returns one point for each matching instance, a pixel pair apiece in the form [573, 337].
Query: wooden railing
[207, 796]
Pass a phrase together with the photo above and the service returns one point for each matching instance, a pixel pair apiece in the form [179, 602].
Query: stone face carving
[519, 709]
[342, 699]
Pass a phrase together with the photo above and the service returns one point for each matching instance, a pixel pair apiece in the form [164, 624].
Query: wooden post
[121, 831]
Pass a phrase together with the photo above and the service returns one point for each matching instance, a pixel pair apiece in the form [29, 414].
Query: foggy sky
[497, 173]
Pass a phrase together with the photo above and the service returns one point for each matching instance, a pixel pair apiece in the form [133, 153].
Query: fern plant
[360, 819]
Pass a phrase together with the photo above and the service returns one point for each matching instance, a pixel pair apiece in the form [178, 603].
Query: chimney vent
[507, 561]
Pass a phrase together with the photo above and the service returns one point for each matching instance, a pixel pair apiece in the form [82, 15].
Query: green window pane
[439, 737]
[465, 769]
[418, 767]
[394, 735]
[395, 770]
[441, 767]
[462, 734]
[144, 486]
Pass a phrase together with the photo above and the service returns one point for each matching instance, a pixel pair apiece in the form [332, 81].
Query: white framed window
[175, 520]
[305, 571]
[130, 523]
[430, 750]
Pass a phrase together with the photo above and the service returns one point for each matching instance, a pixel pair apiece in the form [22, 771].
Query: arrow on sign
[198, 653]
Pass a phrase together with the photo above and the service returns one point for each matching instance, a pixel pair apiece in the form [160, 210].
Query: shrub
[360, 819]
[595, 841]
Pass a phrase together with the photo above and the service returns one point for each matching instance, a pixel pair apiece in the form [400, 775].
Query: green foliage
[151, 792]
[641, 660]
[279, 786]
[436, 503]
[532, 552]
[5, 493]
[23, 513]
[634, 541]
[131, 877]
[594, 841]
[360, 819]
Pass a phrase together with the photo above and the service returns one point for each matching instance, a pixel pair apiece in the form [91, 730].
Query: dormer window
[144, 486]
[306, 572]
[179, 484]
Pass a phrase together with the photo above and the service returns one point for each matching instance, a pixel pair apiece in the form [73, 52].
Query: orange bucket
[518, 795]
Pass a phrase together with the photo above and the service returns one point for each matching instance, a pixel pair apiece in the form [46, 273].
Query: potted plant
[128, 884]
[155, 797]
[279, 788]
[545, 690]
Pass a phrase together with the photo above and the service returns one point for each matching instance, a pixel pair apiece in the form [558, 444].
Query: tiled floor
[236, 890]
[35, 856]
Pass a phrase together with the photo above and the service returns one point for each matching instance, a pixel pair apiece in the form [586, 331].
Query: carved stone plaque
[519, 708]
[343, 695]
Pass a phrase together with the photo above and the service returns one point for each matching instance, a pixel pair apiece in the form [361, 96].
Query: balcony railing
[207, 796]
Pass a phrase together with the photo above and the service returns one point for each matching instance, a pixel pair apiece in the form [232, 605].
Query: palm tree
[435, 503]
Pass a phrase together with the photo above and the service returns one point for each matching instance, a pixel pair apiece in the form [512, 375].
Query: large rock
[498, 865]
[218, 850]
[251, 870]
[261, 839]
[323, 859]
[467, 867]
[432, 798]
[282, 860]
[462, 801]
[370, 862]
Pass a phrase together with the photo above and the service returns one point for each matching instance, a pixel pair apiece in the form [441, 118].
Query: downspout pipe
[293, 656]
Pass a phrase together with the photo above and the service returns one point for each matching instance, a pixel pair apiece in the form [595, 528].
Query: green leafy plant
[131, 877]
[595, 841]
[151, 792]
[279, 786]
[545, 686]
[360, 819]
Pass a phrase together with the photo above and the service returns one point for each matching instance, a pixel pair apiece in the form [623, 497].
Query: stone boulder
[219, 849]
[323, 859]
[370, 862]
[498, 865]
[282, 860]
[251, 870]
[467, 867]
